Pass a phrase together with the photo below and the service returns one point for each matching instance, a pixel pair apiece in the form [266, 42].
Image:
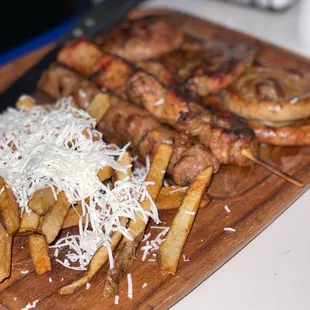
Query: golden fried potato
[171, 248]
[39, 254]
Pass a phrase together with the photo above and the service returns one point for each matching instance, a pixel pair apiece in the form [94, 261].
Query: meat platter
[255, 197]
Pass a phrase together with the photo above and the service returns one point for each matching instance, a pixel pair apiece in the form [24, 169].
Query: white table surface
[273, 271]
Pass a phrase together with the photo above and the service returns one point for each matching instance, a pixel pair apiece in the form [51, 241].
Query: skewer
[272, 169]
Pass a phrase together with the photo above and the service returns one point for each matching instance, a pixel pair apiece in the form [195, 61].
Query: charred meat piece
[142, 39]
[142, 88]
[124, 122]
[207, 67]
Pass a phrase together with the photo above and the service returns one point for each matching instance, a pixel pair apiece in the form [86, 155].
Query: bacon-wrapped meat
[124, 122]
[226, 135]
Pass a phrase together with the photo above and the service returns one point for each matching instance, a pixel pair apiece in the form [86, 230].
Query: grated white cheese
[146, 237]
[229, 229]
[129, 281]
[50, 280]
[159, 102]
[179, 189]
[14, 298]
[24, 271]
[31, 305]
[227, 209]
[144, 285]
[60, 148]
[153, 245]
[82, 93]
[2, 190]
[116, 299]
[185, 259]
[87, 286]
[62, 279]
[165, 183]
[190, 212]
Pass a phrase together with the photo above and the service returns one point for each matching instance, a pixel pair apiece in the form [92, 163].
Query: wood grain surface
[255, 197]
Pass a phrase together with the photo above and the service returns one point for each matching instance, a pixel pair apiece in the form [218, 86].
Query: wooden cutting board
[255, 197]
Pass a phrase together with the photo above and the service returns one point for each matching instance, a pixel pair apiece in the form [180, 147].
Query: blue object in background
[37, 42]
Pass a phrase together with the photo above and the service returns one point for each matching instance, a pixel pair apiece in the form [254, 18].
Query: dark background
[24, 19]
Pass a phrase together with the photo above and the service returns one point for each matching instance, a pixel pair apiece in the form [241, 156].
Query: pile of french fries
[47, 216]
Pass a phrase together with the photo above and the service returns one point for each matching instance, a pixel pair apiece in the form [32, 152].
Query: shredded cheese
[159, 102]
[31, 305]
[59, 147]
[144, 285]
[185, 259]
[129, 281]
[229, 229]
[227, 209]
[116, 299]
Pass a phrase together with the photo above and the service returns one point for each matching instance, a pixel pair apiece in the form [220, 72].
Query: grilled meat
[142, 39]
[226, 135]
[124, 122]
[207, 67]
[270, 94]
[289, 134]
[158, 70]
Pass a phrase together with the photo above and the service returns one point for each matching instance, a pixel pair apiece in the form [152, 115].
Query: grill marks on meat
[124, 122]
[142, 39]
[207, 67]
[223, 134]
[270, 94]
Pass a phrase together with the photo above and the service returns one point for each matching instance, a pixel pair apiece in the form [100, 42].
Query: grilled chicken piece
[270, 94]
[124, 122]
[142, 88]
[204, 68]
[142, 39]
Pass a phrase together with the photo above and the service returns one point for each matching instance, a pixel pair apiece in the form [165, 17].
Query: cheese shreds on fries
[56, 148]
[56, 172]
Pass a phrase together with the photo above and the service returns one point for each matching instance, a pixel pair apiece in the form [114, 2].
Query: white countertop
[273, 271]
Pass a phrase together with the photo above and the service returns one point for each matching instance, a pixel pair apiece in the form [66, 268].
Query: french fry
[98, 260]
[105, 173]
[42, 201]
[29, 222]
[99, 106]
[53, 220]
[5, 253]
[171, 197]
[125, 253]
[25, 102]
[101, 255]
[39, 254]
[171, 248]
[9, 210]
[73, 217]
